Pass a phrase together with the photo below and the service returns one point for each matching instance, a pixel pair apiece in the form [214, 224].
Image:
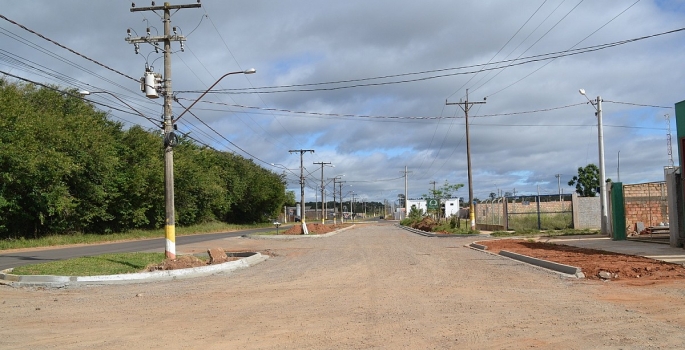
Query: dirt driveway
[374, 286]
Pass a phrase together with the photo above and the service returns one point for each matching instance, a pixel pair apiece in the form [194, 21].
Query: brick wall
[646, 203]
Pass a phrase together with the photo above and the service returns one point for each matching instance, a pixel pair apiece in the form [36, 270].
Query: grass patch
[89, 238]
[547, 221]
[106, 264]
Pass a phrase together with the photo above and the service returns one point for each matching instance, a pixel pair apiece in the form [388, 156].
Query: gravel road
[372, 286]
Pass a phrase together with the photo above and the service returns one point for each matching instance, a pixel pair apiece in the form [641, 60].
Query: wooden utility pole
[170, 139]
[323, 206]
[466, 106]
[302, 213]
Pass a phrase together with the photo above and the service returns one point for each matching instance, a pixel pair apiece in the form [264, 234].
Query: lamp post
[597, 104]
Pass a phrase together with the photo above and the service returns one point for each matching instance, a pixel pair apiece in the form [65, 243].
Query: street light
[86, 93]
[597, 104]
[249, 71]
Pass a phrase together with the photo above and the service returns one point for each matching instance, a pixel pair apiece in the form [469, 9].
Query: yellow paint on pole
[170, 234]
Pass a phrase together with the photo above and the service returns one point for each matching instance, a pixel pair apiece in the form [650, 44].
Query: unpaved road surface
[374, 286]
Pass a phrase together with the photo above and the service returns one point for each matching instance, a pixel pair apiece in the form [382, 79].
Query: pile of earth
[216, 256]
[314, 229]
[615, 266]
[426, 224]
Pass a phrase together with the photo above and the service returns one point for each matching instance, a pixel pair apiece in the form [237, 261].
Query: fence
[543, 212]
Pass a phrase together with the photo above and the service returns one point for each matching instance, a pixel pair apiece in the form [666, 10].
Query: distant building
[450, 206]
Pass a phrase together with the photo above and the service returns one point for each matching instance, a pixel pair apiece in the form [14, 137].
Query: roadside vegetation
[68, 169]
[416, 219]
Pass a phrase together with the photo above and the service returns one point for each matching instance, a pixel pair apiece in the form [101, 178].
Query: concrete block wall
[532, 207]
[646, 203]
[587, 213]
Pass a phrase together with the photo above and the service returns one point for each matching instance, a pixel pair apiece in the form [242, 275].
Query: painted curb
[289, 237]
[63, 281]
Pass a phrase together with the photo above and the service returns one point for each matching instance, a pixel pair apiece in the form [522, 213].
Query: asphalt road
[14, 259]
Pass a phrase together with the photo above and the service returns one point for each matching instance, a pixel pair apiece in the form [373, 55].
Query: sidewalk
[656, 251]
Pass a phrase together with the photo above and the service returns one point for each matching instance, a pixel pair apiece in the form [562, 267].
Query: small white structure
[450, 206]
[418, 203]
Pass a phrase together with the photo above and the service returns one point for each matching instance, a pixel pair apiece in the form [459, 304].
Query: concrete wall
[587, 212]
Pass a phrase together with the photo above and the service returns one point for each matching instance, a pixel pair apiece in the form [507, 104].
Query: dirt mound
[314, 229]
[184, 262]
[591, 261]
[426, 224]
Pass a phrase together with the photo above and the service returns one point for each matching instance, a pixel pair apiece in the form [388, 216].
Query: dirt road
[368, 287]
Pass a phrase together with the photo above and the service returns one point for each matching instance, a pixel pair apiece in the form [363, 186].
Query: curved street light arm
[249, 71]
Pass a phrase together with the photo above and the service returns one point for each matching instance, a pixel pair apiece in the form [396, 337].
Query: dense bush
[66, 167]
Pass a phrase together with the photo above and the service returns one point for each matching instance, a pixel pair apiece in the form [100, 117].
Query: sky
[365, 84]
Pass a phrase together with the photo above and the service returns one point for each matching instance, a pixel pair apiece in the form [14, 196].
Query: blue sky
[395, 63]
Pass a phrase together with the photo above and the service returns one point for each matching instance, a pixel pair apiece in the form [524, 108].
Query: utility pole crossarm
[165, 7]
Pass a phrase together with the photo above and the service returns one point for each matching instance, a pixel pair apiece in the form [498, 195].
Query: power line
[387, 117]
[502, 48]
[578, 43]
[637, 104]
[73, 95]
[530, 59]
[227, 140]
[66, 48]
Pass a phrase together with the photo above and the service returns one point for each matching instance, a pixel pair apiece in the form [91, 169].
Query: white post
[602, 173]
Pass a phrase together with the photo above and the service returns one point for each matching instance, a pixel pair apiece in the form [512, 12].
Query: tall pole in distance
[558, 176]
[334, 217]
[302, 152]
[169, 137]
[406, 201]
[465, 106]
[323, 217]
[341, 201]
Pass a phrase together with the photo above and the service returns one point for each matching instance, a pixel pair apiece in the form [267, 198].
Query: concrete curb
[6, 277]
[550, 265]
[566, 270]
[428, 234]
[289, 237]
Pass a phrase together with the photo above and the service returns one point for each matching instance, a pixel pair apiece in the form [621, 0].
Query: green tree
[290, 199]
[587, 180]
[58, 158]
